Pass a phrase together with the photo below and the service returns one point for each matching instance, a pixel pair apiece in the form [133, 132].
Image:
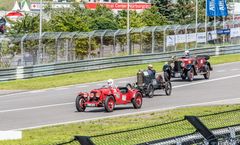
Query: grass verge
[64, 133]
[93, 76]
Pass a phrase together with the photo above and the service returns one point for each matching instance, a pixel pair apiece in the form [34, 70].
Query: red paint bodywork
[96, 97]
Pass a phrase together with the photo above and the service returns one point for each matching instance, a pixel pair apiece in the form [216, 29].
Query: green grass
[92, 76]
[62, 133]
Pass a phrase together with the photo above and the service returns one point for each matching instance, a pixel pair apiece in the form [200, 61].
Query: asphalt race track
[40, 108]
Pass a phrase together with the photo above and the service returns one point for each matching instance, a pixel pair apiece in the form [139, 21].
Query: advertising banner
[212, 35]
[180, 38]
[217, 8]
[235, 32]
[170, 40]
[201, 37]
[191, 37]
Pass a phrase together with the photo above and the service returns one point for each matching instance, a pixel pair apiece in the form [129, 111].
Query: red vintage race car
[188, 67]
[108, 97]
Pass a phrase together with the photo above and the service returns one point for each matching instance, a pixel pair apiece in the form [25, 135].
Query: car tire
[190, 74]
[207, 74]
[137, 101]
[109, 104]
[80, 104]
[168, 88]
[150, 91]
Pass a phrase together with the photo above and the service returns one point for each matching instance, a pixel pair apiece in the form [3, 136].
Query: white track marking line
[133, 113]
[61, 104]
[235, 69]
[37, 107]
[219, 71]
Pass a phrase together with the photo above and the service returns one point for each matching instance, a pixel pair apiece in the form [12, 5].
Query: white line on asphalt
[133, 113]
[235, 69]
[220, 71]
[36, 107]
[207, 81]
[179, 86]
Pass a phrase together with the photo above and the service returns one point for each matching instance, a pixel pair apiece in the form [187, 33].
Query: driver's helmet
[150, 66]
[110, 83]
[186, 53]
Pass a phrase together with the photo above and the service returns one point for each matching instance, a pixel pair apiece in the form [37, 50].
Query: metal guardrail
[228, 135]
[103, 63]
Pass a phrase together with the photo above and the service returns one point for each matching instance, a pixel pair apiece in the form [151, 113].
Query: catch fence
[214, 129]
[57, 47]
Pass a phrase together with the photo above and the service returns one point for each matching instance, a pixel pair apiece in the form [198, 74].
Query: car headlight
[98, 95]
[91, 95]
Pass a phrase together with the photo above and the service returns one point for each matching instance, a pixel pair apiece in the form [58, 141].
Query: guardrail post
[202, 129]
[217, 51]
[84, 140]
[20, 72]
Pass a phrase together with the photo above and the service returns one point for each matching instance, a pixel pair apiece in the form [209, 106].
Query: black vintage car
[147, 84]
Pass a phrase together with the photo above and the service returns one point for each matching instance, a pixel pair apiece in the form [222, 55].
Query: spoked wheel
[137, 101]
[150, 91]
[207, 74]
[166, 76]
[109, 104]
[190, 75]
[80, 104]
[168, 88]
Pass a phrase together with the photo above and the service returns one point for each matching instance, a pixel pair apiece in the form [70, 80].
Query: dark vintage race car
[147, 84]
[188, 67]
[108, 97]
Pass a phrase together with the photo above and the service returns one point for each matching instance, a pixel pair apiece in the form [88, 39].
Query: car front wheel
[190, 74]
[109, 104]
[207, 74]
[168, 88]
[137, 101]
[80, 104]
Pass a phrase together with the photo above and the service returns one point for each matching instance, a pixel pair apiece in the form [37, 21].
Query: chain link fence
[57, 47]
[224, 126]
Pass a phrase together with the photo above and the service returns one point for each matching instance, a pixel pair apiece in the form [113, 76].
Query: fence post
[84, 140]
[202, 129]
[153, 38]
[22, 49]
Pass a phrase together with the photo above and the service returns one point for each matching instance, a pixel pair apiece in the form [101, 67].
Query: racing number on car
[124, 97]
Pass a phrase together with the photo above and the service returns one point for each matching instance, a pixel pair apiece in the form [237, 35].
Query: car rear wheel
[168, 88]
[80, 104]
[150, 91]
[190, 74]
[109, 104]
[207, 74]
[137, 101]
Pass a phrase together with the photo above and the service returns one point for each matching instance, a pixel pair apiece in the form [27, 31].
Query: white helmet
[186, 52]
[110, 82]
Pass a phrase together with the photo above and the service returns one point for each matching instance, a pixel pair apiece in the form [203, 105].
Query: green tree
[151, 17]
